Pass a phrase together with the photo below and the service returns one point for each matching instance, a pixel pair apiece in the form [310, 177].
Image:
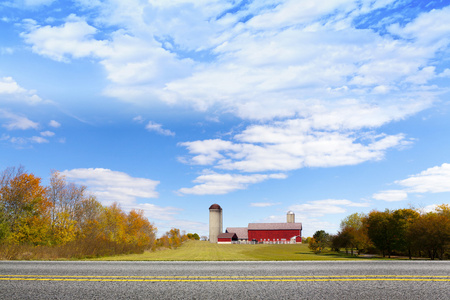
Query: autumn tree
[431, 232]
[4, 224]
[65, 198]
[401, 221]
[25, 207]
[139, 230]
[115, 223]
[380, 231]
[63, 216]
[354, 231]
[193, 236]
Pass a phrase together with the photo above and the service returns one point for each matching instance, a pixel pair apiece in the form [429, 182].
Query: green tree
[4, 224]
[319, 241]
[380, 231]
[401, 221]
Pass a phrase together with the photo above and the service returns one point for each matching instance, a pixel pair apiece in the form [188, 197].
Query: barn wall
[272, 235]
[224, 240]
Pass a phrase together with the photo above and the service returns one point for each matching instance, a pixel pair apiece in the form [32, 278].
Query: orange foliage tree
[26, 208]
[63, 214]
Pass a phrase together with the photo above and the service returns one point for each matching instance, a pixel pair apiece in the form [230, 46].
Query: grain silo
[290, 216]
[215, 222]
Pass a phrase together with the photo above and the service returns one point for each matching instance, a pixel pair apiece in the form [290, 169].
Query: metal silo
[290, 216]
[215, 222]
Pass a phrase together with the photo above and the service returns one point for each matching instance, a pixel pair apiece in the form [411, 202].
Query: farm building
[241, 233]
[268, 233]
[276, 233]
[227, 238]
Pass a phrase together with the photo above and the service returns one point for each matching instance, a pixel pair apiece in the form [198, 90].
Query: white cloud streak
[152, 126]
[54, 124]
[47, 133]
[17, 122]
[288, 146]
[213, 183]
[114, 186]
[432, 180]
[391, 195]
[320, 208]
[11, 91]
[110, 186]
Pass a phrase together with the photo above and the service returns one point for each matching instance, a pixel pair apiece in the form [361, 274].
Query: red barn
[264, 233]
[227, 238]
[275, 232]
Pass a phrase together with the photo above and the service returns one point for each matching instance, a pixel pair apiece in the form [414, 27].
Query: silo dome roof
[215, 206]
[290, 212]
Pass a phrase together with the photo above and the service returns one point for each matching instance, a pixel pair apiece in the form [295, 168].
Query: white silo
[290, 216]
[215, 222]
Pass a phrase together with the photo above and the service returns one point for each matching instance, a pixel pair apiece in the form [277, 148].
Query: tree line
[408, 232]
[64, 220]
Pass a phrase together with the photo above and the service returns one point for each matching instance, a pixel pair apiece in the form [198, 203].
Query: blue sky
[324, 108]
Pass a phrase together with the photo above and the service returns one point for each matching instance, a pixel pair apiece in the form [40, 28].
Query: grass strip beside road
[205, 251]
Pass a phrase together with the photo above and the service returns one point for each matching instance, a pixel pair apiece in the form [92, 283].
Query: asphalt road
[225, 280]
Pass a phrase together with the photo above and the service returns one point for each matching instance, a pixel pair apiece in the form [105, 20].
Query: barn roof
[241, 232]
[274, 226]
[227, 235]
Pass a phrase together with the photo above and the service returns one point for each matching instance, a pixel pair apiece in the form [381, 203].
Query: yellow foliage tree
[27, 209]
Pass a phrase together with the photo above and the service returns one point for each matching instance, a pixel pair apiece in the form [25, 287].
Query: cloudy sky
[324, 108]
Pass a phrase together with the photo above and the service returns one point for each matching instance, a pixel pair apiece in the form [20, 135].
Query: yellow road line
[219, 277]
[225, 278]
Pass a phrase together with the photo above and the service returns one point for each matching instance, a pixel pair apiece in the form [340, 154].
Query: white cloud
[11, 91]
[437, 28]
[54, 124]
[432, 180]
[329, 83]
[22, 142]
[113, 186]
[319, 208]
[72, 39]
[37, 2]
[47, 133]
[213, 183]
[27, 4]
[138, 119]
[152, 211]
[291, 145]
[19, 141]
[152, 126]
[156, 56]
[38, 140]
[391, 195]
[17, 122]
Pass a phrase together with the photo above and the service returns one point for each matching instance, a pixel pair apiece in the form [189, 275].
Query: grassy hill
[205, 251]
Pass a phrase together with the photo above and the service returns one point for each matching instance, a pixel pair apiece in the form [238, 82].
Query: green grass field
[205, 251]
